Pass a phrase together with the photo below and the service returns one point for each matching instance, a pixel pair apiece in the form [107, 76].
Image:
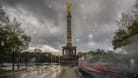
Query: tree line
[13, 38]
[128, 28]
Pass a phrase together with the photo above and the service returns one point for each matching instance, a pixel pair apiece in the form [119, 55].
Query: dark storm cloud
[45, 20]
[38, 7]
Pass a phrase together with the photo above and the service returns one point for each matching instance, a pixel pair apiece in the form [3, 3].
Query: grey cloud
[97, 17]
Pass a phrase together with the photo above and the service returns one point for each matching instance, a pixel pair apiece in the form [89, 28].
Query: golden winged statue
[68, 7]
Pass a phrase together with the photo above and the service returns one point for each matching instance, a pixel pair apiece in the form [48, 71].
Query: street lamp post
[51, 59]
[26, 61]
[59, 58]
[13, 59]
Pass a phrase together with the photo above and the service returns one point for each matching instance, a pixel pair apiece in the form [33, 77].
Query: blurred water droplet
[2, 43]
[77, 39]
[34, 32]
[132, 61]
[8, 38]
[82, 6]
[49, 6]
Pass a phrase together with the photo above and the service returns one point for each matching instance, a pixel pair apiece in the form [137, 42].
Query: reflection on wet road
[40, 72]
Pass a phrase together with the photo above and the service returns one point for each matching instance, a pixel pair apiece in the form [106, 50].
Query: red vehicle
[108, 65]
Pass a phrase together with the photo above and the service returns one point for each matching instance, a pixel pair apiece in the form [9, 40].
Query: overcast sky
[93, 21]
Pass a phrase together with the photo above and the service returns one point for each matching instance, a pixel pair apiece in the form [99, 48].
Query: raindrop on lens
[2, 43]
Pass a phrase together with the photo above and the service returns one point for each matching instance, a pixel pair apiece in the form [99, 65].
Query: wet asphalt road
[41, 72]
[51, 73]
[69, 72]
[30, 74]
